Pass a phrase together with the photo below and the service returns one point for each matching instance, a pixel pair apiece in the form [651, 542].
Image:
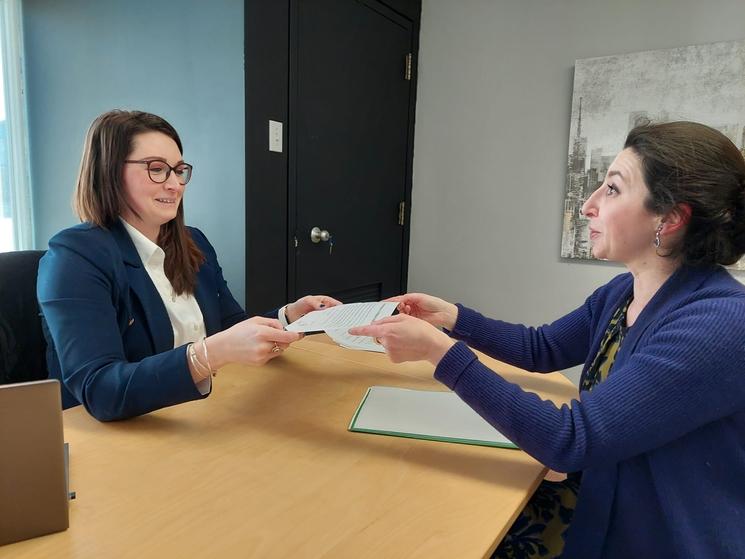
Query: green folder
[423, 414]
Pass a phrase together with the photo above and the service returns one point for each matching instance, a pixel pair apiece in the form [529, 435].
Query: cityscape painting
[612, 94]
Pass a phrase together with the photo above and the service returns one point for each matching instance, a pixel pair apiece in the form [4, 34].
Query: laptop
[33, 489]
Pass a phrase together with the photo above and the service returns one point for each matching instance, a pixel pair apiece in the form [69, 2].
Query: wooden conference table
[265, 468]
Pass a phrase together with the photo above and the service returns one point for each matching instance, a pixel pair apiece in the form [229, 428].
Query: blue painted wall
[182, 60]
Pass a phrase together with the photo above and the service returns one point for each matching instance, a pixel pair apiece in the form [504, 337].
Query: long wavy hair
[99, 193]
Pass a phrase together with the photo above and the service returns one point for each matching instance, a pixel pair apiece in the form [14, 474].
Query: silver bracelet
[198, 366]
[207, 357]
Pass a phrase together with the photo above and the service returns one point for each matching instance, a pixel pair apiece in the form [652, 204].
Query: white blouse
[183, 310]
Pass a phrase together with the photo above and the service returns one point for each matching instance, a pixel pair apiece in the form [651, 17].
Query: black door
[349, 102]
[346, 97]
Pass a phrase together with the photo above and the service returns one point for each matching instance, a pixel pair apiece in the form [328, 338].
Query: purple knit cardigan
[661, 442]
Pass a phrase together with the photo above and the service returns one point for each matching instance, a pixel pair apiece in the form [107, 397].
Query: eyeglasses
[159, 171]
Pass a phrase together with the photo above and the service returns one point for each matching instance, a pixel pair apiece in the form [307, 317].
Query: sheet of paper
[423, 414]
[364, 343]
[342, 317]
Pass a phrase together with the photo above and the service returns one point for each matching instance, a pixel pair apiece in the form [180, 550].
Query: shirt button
[173, 299]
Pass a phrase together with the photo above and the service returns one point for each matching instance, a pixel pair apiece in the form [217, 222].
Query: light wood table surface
[265, 468]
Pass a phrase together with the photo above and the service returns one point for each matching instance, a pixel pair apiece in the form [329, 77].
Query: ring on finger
[276, 348]
[377, 341]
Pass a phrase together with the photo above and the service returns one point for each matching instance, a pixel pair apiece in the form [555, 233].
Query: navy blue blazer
[110, 341]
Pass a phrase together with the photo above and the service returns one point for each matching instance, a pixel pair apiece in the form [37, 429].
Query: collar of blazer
[158, 324]
[156, 315]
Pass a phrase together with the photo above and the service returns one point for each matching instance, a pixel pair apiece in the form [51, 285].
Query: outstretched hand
[406, 338]
[309, 303]
[252, 342]
[434, 310]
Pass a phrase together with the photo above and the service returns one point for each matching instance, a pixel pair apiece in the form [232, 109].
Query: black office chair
[22, 344]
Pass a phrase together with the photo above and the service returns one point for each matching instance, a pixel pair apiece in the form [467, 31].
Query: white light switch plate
[275, 136]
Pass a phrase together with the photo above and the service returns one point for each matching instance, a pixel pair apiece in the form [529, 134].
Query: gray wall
[495, 82]
[182, 60]
[492, 125]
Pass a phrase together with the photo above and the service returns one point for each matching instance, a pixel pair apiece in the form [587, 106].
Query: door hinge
[407, 70]
[401, 212]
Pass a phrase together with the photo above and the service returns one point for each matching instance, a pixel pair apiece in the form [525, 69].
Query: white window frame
[19, 175]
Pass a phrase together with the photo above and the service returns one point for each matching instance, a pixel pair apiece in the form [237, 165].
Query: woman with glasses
[136, 312]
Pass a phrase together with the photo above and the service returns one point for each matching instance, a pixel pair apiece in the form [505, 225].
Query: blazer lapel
[156, 316]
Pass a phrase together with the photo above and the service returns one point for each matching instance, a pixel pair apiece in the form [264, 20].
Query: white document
[423, 414]
[342, 317]
[364, 343]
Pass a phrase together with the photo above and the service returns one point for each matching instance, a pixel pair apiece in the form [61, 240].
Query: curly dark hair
[690, 163]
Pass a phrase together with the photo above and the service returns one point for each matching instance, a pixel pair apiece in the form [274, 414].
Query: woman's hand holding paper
[406, 338]
[434, 310]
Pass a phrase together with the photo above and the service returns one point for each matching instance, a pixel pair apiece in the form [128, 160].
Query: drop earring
[657, 240]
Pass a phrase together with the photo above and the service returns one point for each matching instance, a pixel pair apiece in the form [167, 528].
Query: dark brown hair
[690, 163]
[99, 194]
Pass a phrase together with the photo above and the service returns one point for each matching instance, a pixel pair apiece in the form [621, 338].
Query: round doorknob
[317, 235]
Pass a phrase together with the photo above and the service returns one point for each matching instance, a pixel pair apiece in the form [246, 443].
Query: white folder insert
[423, 414]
